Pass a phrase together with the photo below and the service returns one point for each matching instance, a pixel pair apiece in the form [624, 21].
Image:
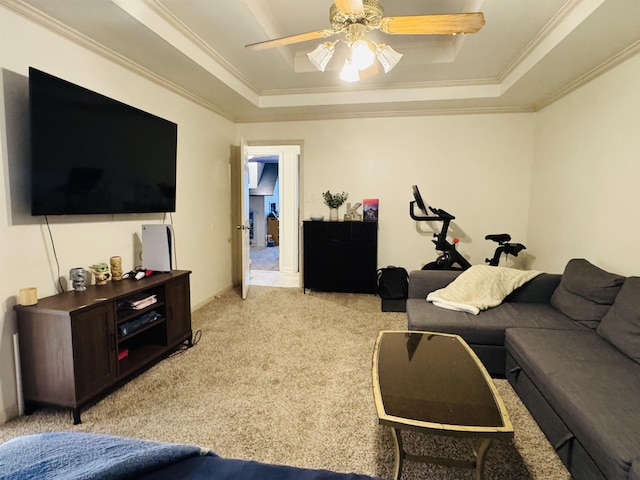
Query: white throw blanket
[480, 287]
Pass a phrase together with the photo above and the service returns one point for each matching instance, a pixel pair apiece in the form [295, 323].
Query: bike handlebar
[441, 215]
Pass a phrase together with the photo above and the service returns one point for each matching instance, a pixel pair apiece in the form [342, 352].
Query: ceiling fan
[355, 18]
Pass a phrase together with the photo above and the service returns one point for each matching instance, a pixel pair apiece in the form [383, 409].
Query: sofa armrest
[538, 290]
[422, 282]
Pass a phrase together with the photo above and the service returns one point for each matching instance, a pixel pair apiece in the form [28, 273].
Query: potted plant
[333, 201]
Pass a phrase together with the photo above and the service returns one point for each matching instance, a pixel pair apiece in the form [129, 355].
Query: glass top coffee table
[435, 384]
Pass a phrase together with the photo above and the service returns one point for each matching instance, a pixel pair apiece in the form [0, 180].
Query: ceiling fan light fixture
[362, 57]
[321, 55]
[349, 72]
[356, 18]
[387, 57]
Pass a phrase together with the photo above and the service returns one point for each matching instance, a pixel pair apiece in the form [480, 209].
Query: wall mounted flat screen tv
[91, 154]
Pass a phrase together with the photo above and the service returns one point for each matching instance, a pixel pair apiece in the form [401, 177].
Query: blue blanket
[80, 456]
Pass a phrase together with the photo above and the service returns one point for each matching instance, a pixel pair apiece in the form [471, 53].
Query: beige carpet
[285, 377]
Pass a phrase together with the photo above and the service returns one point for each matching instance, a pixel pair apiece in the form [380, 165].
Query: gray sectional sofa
[570, 346]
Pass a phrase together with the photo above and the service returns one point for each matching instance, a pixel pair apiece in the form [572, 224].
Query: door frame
[243, 226]
[289, 174]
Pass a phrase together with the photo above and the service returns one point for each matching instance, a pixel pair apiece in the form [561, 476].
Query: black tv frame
[92, 154]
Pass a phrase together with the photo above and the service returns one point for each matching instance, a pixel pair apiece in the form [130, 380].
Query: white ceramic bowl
[317, 218]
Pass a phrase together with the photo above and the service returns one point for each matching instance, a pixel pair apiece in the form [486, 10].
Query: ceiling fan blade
[301, 37]
[350, 7]
[445, 24]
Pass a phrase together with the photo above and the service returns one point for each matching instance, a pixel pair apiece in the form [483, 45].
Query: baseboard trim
[9, 413]
[201, 304]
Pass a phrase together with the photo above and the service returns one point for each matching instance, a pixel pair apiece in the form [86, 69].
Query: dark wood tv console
[73, 347]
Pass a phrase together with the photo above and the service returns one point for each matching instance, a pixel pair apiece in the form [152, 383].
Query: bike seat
[498, 237]
[513, 248]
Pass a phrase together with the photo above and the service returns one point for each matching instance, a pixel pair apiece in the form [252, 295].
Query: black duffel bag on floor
[393, 288]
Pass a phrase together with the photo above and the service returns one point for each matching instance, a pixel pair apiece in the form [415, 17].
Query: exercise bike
[451, 259]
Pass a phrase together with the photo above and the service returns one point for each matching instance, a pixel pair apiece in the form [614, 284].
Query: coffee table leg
[481, 454]
[397, 442]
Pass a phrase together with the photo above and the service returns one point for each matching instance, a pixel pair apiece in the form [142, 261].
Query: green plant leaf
[334, 200]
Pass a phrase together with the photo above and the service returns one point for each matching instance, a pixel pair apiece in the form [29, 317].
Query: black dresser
[340, 256]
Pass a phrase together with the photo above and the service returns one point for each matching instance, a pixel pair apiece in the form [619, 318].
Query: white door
[244, 219]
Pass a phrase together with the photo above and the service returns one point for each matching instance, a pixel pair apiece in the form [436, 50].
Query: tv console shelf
[76, 346]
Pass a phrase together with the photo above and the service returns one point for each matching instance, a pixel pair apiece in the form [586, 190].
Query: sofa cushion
[537, 290]
[621, 324]
[586, 292]
[590, 385]
[488, 327]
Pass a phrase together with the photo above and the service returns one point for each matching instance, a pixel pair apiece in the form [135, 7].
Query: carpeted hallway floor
[265, 258]
[285, 377]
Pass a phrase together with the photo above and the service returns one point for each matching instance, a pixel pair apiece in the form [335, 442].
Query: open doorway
[274, 214]
[264, 212]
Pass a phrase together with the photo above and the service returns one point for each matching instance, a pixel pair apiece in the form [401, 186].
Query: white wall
[202, 219]
[477, 167]
[586, 191]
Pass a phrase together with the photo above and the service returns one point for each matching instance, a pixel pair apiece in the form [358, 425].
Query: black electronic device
[91, 154]
[419, 201]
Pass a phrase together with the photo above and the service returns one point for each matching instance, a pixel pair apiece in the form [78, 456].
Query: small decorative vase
[333, 214]
[116, 267]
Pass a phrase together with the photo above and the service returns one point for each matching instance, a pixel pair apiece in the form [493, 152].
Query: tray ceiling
[528, 53]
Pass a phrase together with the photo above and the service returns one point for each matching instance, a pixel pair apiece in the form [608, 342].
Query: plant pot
[333, 214]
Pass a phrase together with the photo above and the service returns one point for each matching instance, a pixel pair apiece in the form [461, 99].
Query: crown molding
[538, 39]
[358, 95]
[194, 38]
[53, 25]
[621, 57]
[556, 30]
[170, 29]
[310, 117]
[359, 87]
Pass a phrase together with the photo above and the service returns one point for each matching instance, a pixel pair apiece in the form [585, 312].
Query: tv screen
[91, 154]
